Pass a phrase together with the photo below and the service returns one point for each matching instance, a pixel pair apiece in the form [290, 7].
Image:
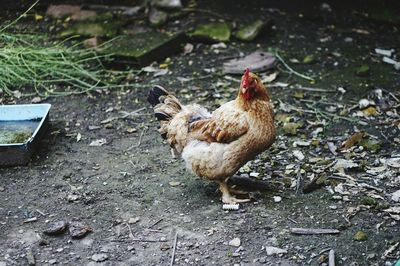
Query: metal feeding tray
[21, 127]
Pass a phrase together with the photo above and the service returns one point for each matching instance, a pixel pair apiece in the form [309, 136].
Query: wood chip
[352, 140]
[313, 231]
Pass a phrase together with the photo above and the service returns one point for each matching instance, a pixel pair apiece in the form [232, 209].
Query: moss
[92, 29]
[250, 31]
[368, 201]
[220, 32]
[360, 236]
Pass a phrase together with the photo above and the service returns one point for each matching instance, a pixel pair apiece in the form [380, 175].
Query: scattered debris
[230, 207]
[257, 62]
[98, 142]
[313, 231]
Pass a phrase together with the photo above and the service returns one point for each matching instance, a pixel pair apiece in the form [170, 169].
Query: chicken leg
[227, 198]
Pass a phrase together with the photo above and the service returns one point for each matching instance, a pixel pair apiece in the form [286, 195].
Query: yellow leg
[227, 198]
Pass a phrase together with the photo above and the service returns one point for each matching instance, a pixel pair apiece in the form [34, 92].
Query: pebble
[100, 257]
[396, 196]
[235, 242]
[277, 198]
[133, 220]
[79, 229]
[360, 236]
[31, 258]
[2, 189]
[274, 250]
[52, 261]
[174, 183]
[56, 228]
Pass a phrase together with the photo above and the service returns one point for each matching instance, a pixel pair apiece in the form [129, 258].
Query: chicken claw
[227, 198]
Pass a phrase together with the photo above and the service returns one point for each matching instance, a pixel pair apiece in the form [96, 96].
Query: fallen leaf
[352, 140]
[370, 111]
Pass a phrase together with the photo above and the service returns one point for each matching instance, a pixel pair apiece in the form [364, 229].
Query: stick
[141, 136]
[291, 69]
[314, 89]
[312, 231]
[331, 258]
[174, 249]
[130, 231]
[148, 240]
[154, 224]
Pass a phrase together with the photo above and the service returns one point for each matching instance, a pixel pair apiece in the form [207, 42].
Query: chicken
[214, 146]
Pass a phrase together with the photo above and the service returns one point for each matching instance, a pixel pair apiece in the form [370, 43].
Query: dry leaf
[352, 140]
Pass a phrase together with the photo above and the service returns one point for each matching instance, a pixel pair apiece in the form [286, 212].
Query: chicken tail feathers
[154, 95]
[165, 105]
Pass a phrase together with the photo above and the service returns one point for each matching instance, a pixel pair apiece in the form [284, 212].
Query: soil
[122, 190]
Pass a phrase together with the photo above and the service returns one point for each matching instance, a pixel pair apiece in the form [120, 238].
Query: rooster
[215, 145]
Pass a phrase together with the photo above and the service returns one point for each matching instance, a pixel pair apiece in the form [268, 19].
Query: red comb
[246, 78]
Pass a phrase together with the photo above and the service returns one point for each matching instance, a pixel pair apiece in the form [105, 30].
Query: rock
[362, 71]
[277, 198]
[164, 246]
[257, 62]
[92, 29]
[168, 4]
[235, 242]
[291, 128]
[274, 250]
[299, 155]
[143, 48]
[157, 17]
[79, 229]
[60, 11]
[99, 257]
[396, 196]
[174, 183]
[2, 189]
[251, 31]
[56, 228]
[308, 59]
[360, 236]
[214, 32]
[133, 220]
[30, 257]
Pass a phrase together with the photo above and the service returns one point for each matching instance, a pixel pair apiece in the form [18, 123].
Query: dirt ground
[136, 198]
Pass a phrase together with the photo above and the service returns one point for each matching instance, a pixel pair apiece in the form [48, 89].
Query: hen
[214, 146]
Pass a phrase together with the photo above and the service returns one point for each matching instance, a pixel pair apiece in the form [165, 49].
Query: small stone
[99, 257]
[52, 261]
[235, 254]
[362, 71]
[274, 250]
[157, 17]
[298, 154]
[2, 189]
[235, 242]
[133, 220]
[396, 196]
[277, 198]
[174, 183]
[251, 31]
[108, 126]
[371, 256]
[30, 257]
[323, 258]
[131, 130]
[164, 246]
[79, 229]
[360, 236]
[56, 228]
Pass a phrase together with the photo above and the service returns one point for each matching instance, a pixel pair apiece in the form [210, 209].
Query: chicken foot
[227, 198]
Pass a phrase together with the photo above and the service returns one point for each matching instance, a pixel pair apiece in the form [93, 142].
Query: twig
[291, 69]
[293, 221]
[314, 89]
[148, 240]
[331, 258]
[312, 231]
[141, 136]
[130, 230]
[174, 249]
[21, 16]
[154, 224]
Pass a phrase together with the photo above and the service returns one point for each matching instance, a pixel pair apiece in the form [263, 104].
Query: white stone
[235, 242]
